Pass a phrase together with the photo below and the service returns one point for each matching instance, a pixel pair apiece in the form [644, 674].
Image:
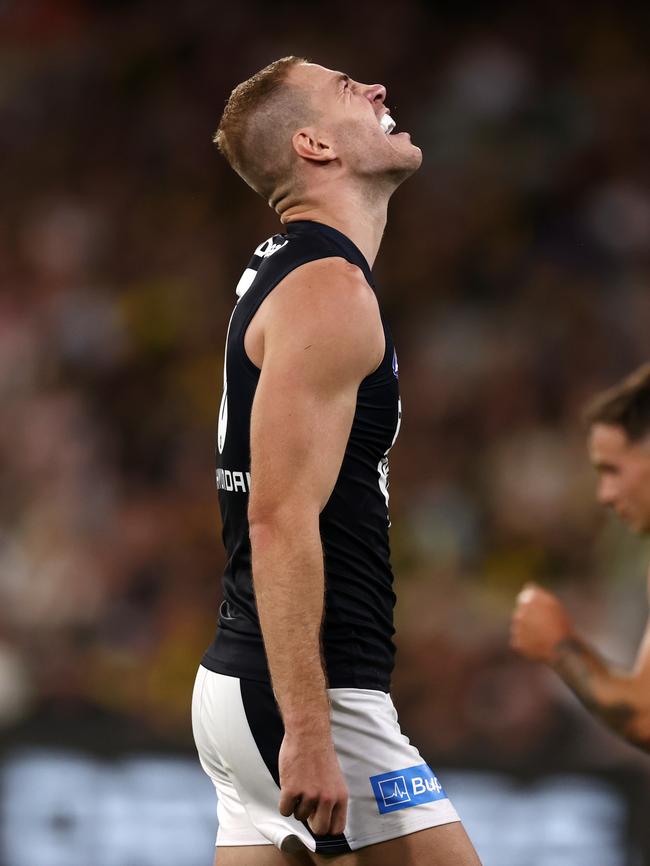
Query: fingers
[528, 612]
[339, 817]
[324, 814]
[516, 642]
[533, 594]
[539, 623]
[531, 591]
[305, 807]
[288, 802]
[515, 634]
[301, 806]
[321, 817]
[527, 594]
[521, 620]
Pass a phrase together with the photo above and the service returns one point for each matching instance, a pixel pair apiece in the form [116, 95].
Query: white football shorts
[238, 732]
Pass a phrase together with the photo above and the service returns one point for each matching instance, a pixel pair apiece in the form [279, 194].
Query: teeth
[387, 124]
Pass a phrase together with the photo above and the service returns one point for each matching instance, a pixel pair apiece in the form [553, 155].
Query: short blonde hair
[258, 122]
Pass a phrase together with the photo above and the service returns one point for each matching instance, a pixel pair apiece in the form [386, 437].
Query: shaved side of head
[258, 124]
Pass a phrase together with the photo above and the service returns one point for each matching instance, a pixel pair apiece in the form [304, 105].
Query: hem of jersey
[227, 670]
[369, 689]
[218, 667]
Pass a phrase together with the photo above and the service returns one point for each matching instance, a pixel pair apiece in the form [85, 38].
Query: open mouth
[387, 123]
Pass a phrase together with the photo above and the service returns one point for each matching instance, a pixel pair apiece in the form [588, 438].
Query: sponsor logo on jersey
[395, 365]
[226, 611]
[400, 789]
[270, 246]
[233, 482]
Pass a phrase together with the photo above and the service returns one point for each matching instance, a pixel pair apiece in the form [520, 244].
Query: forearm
[288, 577]
[608, 693]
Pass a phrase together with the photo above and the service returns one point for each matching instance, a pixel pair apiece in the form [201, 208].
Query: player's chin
[413, 156]
[416, 157]
[407, 157]
[402, 141]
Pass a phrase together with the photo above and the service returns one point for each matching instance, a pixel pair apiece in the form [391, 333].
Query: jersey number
[264, 251]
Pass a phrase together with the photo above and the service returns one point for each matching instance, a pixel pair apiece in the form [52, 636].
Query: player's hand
[539, 623]
[312, 785]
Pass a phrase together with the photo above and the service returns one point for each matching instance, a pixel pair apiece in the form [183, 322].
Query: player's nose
[376, 93]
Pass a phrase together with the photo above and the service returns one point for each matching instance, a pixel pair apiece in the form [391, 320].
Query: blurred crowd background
[515, 273]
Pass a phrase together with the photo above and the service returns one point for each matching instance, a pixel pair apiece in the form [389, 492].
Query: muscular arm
[322, 336]
[542, 630]
[608, 693]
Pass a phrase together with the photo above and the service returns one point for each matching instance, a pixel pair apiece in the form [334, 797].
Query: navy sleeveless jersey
[357, 632]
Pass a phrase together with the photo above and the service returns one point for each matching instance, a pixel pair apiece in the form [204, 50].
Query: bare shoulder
[327, 283]
[328, 306]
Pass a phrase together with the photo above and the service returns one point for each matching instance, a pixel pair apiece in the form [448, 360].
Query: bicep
[322, 337]
[299, 431]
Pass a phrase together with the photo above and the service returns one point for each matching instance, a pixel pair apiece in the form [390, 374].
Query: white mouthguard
[387, 124]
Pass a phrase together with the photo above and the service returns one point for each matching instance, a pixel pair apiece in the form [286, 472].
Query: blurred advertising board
[67, 808]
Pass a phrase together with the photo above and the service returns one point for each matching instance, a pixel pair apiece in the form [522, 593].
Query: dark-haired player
[619, 448]
[291, 711]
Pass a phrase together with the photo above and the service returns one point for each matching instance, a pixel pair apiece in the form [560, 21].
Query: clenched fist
[539, 623]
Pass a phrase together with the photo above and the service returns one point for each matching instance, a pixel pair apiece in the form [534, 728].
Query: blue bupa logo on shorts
[403, 788]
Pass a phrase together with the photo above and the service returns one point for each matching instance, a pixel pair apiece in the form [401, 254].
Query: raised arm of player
[542, 630]
[322, 335]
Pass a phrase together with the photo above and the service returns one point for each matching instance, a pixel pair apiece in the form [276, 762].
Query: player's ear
[308, 144]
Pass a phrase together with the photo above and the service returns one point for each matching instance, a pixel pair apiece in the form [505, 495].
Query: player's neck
[352, 214]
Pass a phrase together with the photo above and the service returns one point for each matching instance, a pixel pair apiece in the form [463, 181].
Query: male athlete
[619, 447]
[310, 409]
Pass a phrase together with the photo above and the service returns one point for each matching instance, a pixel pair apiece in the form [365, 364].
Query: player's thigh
[258, 855]
[447, 845]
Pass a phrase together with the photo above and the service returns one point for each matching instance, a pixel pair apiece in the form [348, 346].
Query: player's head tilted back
[296, 131]
[619, 447]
